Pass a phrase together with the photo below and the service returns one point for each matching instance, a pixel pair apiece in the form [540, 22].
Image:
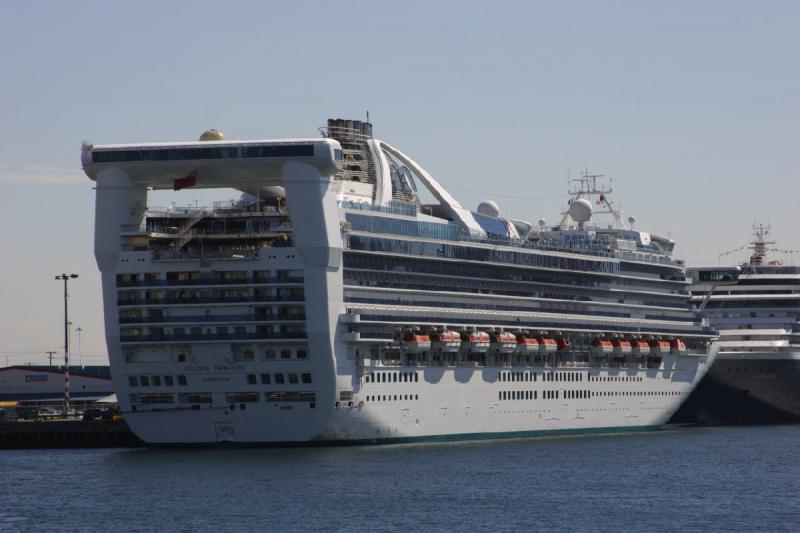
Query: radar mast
[586, 187]
[760, 243]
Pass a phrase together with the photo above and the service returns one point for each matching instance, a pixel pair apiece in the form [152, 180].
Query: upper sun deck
[216, 163]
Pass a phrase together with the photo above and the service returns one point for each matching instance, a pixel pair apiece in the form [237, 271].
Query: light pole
[66, 278]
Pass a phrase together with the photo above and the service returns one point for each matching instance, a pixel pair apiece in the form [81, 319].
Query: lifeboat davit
[639, 347]
[659, 347]
[547, 344]
[602, 347]
[475, 341]
[446, 341]
[677, 346]
[416, 342]
[504, 342]
[622, 347]
[527, 344]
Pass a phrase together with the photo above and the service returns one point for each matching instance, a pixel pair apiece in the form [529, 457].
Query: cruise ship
[756, 308]
[347, 297]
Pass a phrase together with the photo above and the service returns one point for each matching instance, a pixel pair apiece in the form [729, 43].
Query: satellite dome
[489, 208]
[580, 210]
[212, 135]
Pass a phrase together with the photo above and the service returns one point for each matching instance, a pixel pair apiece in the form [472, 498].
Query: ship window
[269, 354]
[293, 379]
[241, 397]
[145, 381]
[169, 381]
[251, 379]
[132, 381]
[265, 379]
[195, 397]
[394, 377]
[279, 379]
[306, 378]
[286, 354]
[302, 354]
[181, 380]
[416, 377]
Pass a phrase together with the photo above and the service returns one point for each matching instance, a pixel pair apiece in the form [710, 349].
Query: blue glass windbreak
[395, 207]
[126, 155]
[410, 228]
[492, 226]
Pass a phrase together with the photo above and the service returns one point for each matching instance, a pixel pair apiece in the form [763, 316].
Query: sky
[693, 108]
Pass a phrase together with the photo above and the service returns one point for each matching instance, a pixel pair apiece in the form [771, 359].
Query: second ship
[333, 303]
[756, 308]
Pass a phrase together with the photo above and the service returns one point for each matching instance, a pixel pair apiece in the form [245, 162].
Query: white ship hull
[446, 404]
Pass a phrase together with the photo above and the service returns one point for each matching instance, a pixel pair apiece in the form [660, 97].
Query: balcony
[211, 337]
[211, 319]
[204, 282]
[125, 302]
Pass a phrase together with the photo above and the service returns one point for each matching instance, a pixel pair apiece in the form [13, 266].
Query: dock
[66, 433]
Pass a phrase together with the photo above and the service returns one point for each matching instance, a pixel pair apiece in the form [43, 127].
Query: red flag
[188, 181]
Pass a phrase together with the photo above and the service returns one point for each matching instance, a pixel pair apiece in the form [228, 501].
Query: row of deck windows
[191, 154]
[562, 376]
[392, 398]
[517, 376]
[615, 378]
[292, 378]
[156, 381]
[157, 333]
[230, 397]
[576, 394]
[195, 277]
[392, 377]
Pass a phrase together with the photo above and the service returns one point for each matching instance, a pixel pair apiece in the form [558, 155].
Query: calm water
[691, 478]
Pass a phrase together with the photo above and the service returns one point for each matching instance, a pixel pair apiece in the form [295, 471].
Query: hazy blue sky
[693, 107]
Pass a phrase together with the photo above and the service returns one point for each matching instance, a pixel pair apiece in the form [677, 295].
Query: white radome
[580, 210]
[489, 208]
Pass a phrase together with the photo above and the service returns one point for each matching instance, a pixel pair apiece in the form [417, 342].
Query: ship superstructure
[756, 308]
[329, 303]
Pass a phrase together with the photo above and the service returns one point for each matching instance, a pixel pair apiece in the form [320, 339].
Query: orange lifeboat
[475, 341]
[621, 347]
[446, 341]
[547, 344]
[602, 347]
[416, 342]
[659, 347]
[677, 346]
[639, 347]
[527, 344]
[504, 342]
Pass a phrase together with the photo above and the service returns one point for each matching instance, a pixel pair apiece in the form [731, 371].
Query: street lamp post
[66, 278]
